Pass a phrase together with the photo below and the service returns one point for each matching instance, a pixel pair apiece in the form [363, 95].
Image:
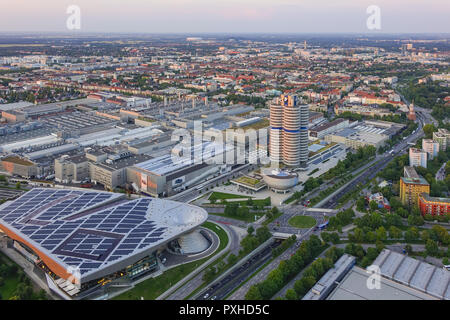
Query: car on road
[206, 296]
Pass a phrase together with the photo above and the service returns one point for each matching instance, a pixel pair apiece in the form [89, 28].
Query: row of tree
[286, 270]
[313, 274]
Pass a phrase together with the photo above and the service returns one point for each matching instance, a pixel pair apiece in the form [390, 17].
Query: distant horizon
[74, 33]
[228, 16]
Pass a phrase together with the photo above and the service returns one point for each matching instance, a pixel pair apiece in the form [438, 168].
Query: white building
[417, 158]
[430, 147]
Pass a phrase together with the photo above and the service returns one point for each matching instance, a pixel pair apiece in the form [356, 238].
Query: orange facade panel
[50, 263]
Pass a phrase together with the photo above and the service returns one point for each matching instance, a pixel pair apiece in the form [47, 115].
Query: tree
[263, 234]
[209, 274]
[232, 259]
[361, 204]
[428, 129]
[253, 293]
[357, 236]
[291, 294]
[425, 235]
[431, 247]
[250, 229]
[371, 236]
[395, 233]
[379, 245]
[303, 285]
[393, 220]
[414, 220]
[402, 212]
[373, 205]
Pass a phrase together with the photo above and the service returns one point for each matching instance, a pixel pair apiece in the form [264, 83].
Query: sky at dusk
[230, 16]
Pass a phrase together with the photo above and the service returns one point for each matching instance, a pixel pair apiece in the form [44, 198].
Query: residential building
[433, 205]
[442, 136]
[430, 147]
[417, 158]
[410, 188]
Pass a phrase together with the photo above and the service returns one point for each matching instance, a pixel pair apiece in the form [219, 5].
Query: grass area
[302, 222]
[152, 288]
[223, 237]
[257, 125]
[257, 202]
[222, 195]
[247, 218]
[10, 284]
[247, 180]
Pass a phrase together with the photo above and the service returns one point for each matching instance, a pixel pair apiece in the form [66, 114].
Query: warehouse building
[162, 176]
[402, 278]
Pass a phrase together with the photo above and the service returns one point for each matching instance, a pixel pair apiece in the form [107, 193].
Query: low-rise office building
[16, 165]
[72, 169]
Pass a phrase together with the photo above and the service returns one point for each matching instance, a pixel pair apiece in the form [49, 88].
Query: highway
[222, 288]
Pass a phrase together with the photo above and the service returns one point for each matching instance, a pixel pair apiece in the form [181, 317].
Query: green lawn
[152, 288]
[247, 218]
[302, 222]
[257, 202]
[10, 284]
[222, 195]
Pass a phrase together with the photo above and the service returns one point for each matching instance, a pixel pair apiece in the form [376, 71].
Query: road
[383, 161]
[262, 275]
[197, 281]
[222, 288]
[440, 175]
[281, 224]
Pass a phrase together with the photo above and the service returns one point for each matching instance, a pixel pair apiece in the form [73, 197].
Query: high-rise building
[417, 158]
[289, 132]
[442, 136]
[430, 147]
[411, 188]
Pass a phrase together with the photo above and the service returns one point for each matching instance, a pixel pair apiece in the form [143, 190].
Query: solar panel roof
[83, 230]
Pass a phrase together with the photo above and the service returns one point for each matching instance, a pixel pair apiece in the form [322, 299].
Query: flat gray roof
[354, 287]
[414, 273]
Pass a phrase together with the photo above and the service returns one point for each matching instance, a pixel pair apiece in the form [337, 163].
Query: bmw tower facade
[289, 132]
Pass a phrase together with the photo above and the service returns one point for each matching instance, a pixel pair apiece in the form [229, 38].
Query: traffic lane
[235, 278]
